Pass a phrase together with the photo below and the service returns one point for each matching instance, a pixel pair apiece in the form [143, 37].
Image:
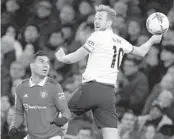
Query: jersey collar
[42, 83]
[109, 30]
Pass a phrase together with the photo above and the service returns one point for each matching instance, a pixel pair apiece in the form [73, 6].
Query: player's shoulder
[121, 39]
[23, 83]
[22, 86]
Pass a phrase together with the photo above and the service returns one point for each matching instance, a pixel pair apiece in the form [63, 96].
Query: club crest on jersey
[61, 96]
[43, 94]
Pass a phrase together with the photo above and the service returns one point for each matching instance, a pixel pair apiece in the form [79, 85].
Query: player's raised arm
[72, 57]
[144, 48]
[18, 115]
[62, 105]
[80, 53]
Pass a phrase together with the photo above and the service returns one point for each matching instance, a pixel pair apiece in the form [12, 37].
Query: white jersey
[106, 53]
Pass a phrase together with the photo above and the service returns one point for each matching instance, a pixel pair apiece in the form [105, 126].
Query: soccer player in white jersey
[105, 50]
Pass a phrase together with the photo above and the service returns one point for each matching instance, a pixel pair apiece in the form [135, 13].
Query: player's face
[41, 66]
[100, 21]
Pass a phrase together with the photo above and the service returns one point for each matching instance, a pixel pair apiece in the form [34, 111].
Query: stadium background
[146, 86]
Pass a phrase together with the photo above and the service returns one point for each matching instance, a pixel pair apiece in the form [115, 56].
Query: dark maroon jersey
[40, 104]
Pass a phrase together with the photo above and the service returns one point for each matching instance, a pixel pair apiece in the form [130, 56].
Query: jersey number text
[116, 57]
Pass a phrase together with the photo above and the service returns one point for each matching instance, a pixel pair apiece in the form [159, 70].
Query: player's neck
[109, 28]
[37, 78]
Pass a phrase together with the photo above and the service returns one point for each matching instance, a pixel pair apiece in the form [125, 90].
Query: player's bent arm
[62, 105]
[18, 118]
[61, 102]
[144, 48]
[75, 56]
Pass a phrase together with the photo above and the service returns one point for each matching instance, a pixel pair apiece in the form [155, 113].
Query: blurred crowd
[145, 93]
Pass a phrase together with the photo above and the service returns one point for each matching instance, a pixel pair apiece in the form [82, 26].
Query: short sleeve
[60, 102]
[127, 47]
[91, 42]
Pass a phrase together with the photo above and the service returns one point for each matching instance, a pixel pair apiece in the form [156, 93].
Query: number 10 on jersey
[117, 57]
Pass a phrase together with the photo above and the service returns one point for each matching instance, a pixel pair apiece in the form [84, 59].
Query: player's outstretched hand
[156, 39]
[60, 54]
[59, 121]
[13, 131]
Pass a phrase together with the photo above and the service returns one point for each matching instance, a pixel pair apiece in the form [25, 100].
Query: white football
[157, 23]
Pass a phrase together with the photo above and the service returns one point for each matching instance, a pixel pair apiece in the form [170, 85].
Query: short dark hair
[39, 53]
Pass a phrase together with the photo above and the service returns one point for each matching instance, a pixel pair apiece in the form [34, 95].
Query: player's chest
[107, 48]
[37, 96]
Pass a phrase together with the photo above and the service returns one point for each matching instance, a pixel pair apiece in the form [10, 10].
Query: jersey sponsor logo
[25, 95]
[43, 94]
[61, 95]
[34, 107]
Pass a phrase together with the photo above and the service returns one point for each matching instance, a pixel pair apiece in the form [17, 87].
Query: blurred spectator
[134, 89]
[67, 15]
[22, 133]
[85, 133]
[168, 38]
[56, 76]
[11, 36]
[68, 34]
[78, 123]
[150, 65]
[91, 18]
[85, 9]
[30, 35]
[152, 7]
[150, 133]
[167, 58]
[5, 105]
[55, 41]
[82, 65]
[134, 8]
[98, 2]
[61, 3]
[142, 39]
[127, 126]
[133, 31]
[120, 26]
[14, 10]
[77, 78]
[29, 42]
[17, 71]
[83, 32]
[166, 83]
[44, 17]
[170, 71]
[157, 118]
[14, 85]
[121, 8]
[165, 99]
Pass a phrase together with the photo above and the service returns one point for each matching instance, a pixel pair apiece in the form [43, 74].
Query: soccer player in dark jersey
[41, 100]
